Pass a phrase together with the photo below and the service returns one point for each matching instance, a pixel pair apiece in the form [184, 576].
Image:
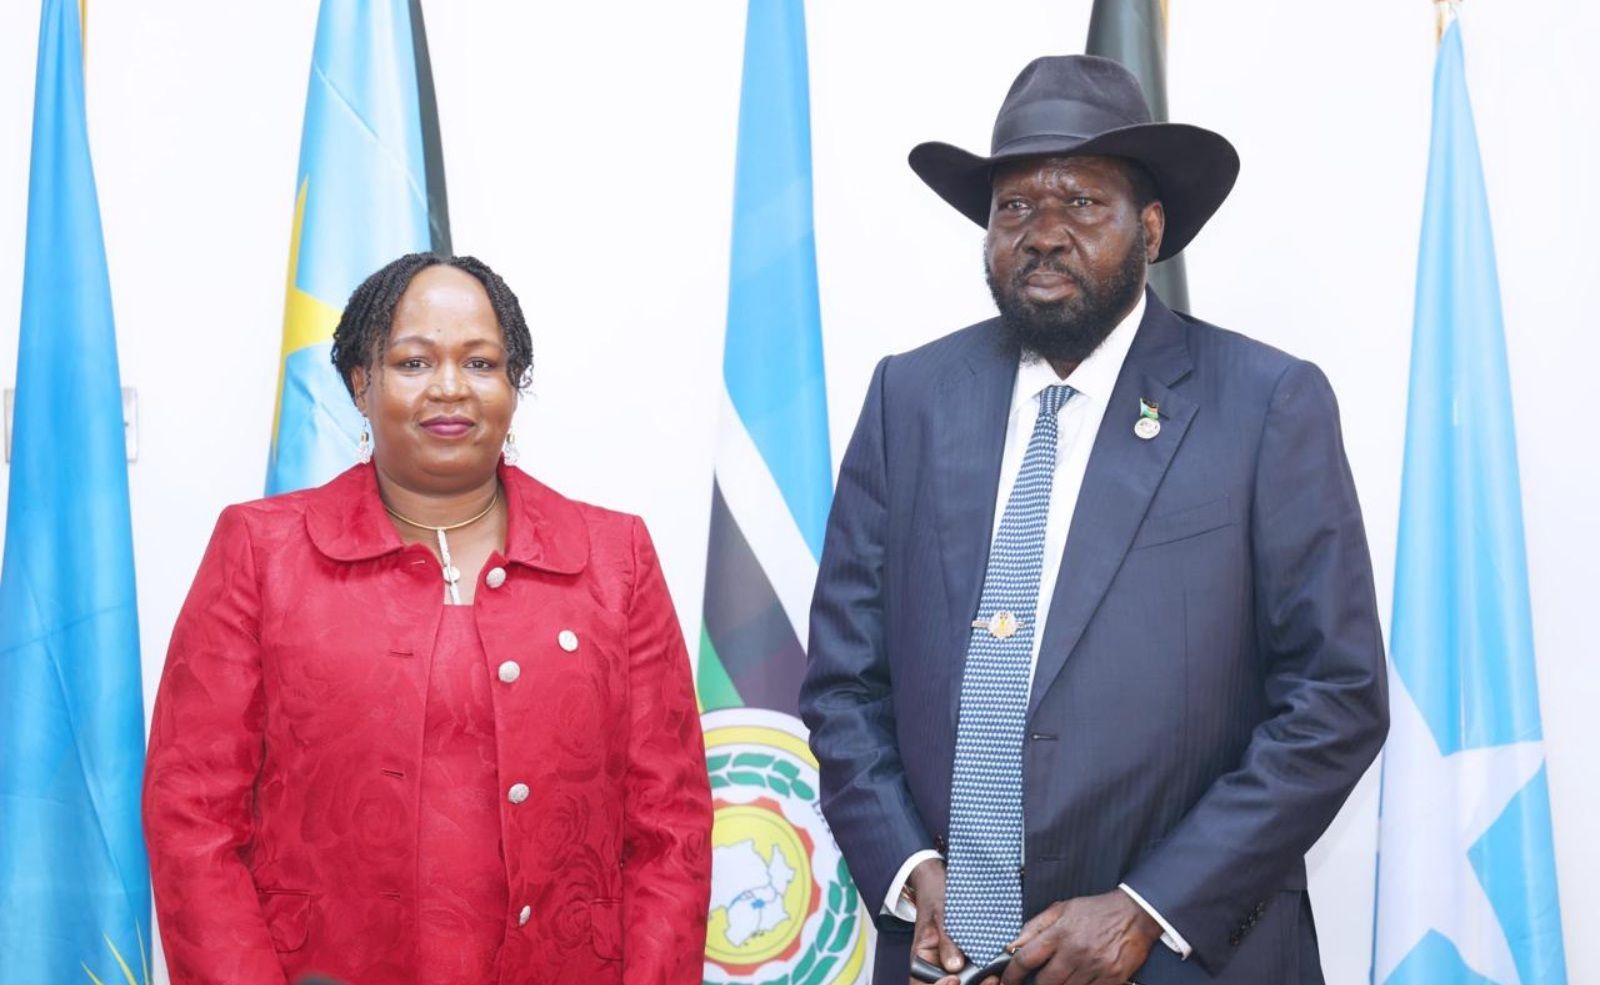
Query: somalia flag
[74, 882]
[370, 189]
[1466, 873]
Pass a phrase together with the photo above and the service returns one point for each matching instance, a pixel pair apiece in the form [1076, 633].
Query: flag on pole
[370, 188]
[1466, 873]
[783, 906]
[1134, 32]
[74, 882]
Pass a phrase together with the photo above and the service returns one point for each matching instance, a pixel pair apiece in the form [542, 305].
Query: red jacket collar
[346, 521]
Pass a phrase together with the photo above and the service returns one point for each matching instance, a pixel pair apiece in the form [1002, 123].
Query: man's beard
[1067, 331]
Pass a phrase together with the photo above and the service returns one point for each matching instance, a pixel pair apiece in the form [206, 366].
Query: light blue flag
[772, 355]
[774, 473]
[1466, 873]
[370, 189]
[74, 883]
[783, 905]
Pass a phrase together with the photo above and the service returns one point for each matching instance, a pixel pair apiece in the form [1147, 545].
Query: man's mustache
[1050, 263]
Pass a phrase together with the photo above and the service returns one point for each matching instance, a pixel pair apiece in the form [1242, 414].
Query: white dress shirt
[1078, 422]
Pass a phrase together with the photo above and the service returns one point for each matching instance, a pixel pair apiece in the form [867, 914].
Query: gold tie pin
[1001, 625]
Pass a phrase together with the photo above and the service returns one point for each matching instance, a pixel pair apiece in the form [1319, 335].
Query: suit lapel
[1123, 474]
[968, 421]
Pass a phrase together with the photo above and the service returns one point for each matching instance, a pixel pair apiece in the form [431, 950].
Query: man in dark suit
[1094, 652]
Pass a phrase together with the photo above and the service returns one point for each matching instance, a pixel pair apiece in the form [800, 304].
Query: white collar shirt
[1078, 422]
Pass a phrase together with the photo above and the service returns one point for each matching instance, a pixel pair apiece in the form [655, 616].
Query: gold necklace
[450, 526]
[452, 574]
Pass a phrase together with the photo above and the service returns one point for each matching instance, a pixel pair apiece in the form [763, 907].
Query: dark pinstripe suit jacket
[1210, 684]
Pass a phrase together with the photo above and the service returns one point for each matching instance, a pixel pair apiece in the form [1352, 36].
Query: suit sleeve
[1323, 676]
[666, 876]
[206, 749]
[846, 699]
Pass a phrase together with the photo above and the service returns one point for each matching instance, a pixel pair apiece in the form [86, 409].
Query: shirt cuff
[894, 904]
[1169, 934]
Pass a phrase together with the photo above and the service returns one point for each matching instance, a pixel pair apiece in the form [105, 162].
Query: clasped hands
[1091, 940]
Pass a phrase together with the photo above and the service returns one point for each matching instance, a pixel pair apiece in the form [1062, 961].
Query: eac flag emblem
[783, 908]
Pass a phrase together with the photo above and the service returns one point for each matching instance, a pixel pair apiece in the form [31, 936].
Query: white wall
[589, 151]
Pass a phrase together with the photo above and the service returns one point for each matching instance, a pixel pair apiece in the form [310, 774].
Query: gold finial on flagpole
[1444, 11]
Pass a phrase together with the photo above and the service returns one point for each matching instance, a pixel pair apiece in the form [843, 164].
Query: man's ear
[1154, 218]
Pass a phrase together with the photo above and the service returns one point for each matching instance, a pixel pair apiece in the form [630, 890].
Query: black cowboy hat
[1080, 104]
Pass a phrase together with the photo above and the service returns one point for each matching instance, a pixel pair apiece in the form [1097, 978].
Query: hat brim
[1194, 169]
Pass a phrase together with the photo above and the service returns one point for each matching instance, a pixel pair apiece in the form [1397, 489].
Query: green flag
[1134, 32]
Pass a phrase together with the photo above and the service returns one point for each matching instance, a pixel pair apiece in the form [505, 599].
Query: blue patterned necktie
[983, 910]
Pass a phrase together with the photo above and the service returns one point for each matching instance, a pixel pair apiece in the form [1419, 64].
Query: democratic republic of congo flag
[74, 881]
[370, 188]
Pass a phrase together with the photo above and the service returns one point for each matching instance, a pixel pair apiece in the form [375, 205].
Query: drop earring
[364, 449]
[508, 451]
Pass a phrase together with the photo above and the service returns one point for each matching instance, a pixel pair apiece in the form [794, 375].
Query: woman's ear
[359, 378]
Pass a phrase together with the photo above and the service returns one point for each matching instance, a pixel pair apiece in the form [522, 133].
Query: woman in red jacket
[431, 722]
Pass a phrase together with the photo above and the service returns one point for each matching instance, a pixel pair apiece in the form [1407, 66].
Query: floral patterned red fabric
[282, 782]
[461, 871]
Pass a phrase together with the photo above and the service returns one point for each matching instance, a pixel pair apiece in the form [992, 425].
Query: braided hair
[363, 332]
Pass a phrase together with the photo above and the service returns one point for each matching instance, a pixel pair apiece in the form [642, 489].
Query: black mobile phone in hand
[923, 971]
